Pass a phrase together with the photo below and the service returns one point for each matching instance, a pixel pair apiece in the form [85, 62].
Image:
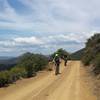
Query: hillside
[92, 53]
[7, 63]
[77, 55]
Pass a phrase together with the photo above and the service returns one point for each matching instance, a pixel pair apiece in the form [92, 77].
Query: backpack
[57, 60]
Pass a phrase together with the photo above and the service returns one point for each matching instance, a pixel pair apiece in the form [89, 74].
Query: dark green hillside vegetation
[28, 65]
[77, 55]
[92, 53]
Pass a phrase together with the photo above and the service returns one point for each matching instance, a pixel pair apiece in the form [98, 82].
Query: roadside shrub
[32, 63]
[40, 62]
[30, 72]
[17, 73]
[87, 58]
[5, 78]
[97, 64]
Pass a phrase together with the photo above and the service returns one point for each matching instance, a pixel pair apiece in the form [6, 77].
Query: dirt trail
[69, 85]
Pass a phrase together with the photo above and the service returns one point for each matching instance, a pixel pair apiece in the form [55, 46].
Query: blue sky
[43, 26]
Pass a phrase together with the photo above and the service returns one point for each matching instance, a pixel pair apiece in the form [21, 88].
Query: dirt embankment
[93, 80]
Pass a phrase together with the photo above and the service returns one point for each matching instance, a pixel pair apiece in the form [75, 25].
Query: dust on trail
[69, 85]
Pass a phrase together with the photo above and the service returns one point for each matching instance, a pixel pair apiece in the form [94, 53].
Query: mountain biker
[57, 63]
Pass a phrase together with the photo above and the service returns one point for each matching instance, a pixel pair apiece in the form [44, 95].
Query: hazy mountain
[7, 62]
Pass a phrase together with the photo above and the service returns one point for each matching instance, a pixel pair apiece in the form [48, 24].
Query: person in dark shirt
[65, 60]
[57, 64]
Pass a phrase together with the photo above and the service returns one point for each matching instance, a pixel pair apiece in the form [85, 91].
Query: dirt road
[69, 85]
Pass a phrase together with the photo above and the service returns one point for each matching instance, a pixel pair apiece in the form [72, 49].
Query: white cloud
[3, 49]
[44, 44]
[79, 38]
[53, 16]
[9, 13]
[7, 43]
[20, 41]
[65, 15]
[28, 40]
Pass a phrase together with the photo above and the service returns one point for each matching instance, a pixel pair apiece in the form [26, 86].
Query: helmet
[56, 54]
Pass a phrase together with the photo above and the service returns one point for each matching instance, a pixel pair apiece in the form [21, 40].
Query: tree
[61, 53]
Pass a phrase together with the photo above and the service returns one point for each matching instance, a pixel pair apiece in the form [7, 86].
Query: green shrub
[17, 73]
[5, 78]
[87, 58]
[40, 63]
[96, 64]
[30, 71]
